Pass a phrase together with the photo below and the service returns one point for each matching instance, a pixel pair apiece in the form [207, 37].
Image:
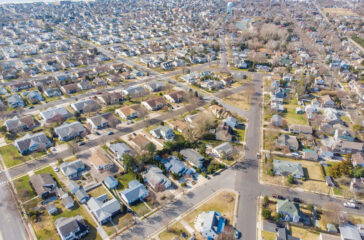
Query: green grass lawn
[99, 191]
[173, 231]
[140, 208]
[240, 133]
[23, 188]
[50, 170]
[291, 116]
[120, 221]
[124, 180]
[11, 156]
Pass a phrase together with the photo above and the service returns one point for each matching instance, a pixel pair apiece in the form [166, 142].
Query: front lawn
[269, 235]
[24, 189]
[11, 156]
[49, 170]
[223, 202]
[140, 208]
[173, 231]
[120, 221]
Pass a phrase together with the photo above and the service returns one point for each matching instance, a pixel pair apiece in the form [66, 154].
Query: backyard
[291, 116]
[240, 100]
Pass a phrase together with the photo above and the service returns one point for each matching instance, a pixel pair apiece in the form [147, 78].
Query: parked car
[237, 234]
[349, 205]
[110, 133]
[56, 169]
[297, 200]
[97, 133]
[278, 196]
[81, 143]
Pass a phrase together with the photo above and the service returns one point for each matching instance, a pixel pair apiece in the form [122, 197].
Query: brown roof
[177, 95]
[155, 102]
[357, 158]
[128, 110]
[140, 141]
[41, 181]
[178, 125]
[99, 158]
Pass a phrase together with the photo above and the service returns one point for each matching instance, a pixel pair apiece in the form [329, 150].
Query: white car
[56, 169]
[349, 205]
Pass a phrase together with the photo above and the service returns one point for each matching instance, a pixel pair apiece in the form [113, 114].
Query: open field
[339, 11]
[291, 116]
[240, 100]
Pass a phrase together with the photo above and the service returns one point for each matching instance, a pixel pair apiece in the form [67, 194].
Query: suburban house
[231, 122]
[140, 142]
[193, 157]
[52, 115]
[135, 91]
[290, 210]
[83, 106]
[32, 142]
[300, 129]
[174, 165]
[224, 132]
[175, 97]
[164, 132]
[224, 149]
[135, 192]
[104, 208]
[82, 195]
[73, 187]
[15, 101]
[128, 112]
[111, 182]
[119, 149]
[210, 224]
[52, 209]
[71, 228]
[288, 141]
[16, 87]
[344, 134]
[178, 125]
[21, 124]
[100, 161]
[327, 102]
[68, 131]
[276, 120]
[68, 202]
[69, 88]
[84, 85]
[52, 92]
[349, 232]
[34, 96]
[285, 168]
[43, 184]
[156, 179]
[111, 98]
[219, 111]
[310, 154]
[155, 86]
[72, 169]
[331, 116]
[103, 120]
[358, 159]
[154, 103]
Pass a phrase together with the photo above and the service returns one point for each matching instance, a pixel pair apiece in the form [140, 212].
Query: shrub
[290, 179]
[184, 184]
[265, 200]
[266, 213]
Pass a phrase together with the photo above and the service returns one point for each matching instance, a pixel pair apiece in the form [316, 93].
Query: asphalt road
[11, 223]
